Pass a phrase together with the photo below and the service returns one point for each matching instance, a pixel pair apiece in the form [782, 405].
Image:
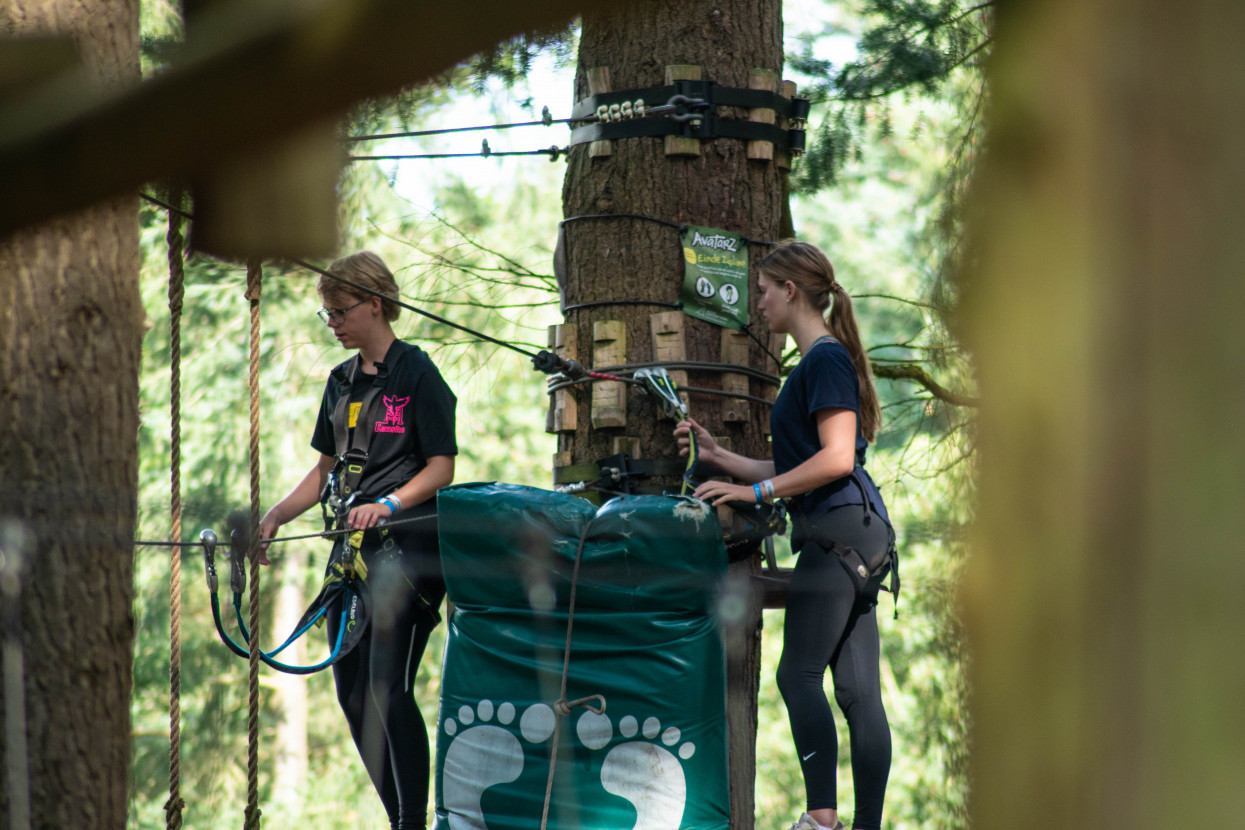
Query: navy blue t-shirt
[825, 378]
[418, 419]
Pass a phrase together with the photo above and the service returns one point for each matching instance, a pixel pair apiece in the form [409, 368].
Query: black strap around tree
[707, 92]
[710, 126]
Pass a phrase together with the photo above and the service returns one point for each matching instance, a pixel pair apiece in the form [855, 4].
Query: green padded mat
[644, 638]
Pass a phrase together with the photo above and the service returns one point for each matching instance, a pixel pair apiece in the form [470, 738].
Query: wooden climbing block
[598, 82]
[734, 352]
[563, 408]
[669, 346]
[626, 443]
[766, 80]
[677, 145]
[609, 398]
[782, 156]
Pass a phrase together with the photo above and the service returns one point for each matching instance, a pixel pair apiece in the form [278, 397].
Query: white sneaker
[807, 822]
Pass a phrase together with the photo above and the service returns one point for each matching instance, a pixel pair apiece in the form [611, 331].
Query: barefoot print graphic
[641, 771]
[483, 755]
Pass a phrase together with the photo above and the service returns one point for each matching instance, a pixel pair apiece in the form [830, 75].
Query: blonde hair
[809, 269]
[369, 271]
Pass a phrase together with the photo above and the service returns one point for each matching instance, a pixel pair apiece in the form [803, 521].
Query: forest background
[472, 239]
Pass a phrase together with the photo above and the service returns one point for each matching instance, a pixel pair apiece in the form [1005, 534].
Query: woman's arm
[438, 473]
[730, 463]
[305, 495]
[836, 429]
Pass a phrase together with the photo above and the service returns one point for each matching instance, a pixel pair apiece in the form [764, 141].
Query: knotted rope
[562, 708]
[254, 278]
[174, 806]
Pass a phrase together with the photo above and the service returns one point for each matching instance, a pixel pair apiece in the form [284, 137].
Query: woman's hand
[720, 492]
[268, 527]
[367, 516]
[705, 445]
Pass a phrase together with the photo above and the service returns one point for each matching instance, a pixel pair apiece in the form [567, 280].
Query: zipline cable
[546, 120]
[363, 289]
[323, 534]
[553, 152]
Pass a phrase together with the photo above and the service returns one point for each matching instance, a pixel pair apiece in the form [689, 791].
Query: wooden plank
[782, 156]
[734, 352]
[669, 346]
[563, 408]
[677, 145]
[560, 459]
[598, 82]
[609, 398]
[763, 79]
[71, 144]
[278, 201]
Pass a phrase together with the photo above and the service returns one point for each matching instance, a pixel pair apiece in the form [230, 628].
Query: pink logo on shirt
[393, 415]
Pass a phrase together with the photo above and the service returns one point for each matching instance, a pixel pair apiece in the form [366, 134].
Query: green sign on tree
[715, 276]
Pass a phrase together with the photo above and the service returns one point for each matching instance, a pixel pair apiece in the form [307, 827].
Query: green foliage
[909, 49]
[481, 258]
[501, 400]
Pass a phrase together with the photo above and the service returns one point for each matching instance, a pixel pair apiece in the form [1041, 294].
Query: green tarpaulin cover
[644, 638]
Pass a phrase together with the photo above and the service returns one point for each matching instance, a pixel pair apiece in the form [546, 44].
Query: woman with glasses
[385, 435]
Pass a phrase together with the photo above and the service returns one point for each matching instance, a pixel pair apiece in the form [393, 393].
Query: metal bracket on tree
[691, 111]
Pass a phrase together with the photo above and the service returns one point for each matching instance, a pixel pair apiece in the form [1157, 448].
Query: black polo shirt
[415, 422]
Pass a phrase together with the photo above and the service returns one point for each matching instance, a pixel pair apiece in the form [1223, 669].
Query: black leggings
[375, 687]
[827, 625]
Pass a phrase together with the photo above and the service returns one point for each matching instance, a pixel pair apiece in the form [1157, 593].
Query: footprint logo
[483, 755]
[642, 771]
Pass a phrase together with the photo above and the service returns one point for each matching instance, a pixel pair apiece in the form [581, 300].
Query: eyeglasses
[336, 315]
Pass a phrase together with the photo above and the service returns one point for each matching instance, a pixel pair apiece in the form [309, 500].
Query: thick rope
[562, 708]
[254, 277]
[174, 806]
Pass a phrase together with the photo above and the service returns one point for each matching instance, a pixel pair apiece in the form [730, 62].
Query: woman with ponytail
[822, 422]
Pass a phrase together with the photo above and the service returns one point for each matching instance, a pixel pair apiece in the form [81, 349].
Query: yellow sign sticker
[354, 413]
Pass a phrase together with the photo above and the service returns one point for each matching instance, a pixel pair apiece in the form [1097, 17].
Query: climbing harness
[348, 589]
[620, 474]
[657, 383]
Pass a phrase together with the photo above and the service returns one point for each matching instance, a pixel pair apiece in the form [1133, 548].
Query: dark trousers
[375, 685]
[827, 625]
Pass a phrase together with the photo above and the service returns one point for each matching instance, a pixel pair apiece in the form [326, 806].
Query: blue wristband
[388, 502]
[756, 489]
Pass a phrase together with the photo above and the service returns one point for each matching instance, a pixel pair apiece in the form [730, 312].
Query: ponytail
[842, 323]
[810, 270]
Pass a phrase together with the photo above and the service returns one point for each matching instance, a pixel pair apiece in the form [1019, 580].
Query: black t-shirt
[416, 420]
[825, 378]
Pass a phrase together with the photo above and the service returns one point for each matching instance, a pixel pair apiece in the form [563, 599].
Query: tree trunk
[70, 333]
[1104, 593]
[630, 259]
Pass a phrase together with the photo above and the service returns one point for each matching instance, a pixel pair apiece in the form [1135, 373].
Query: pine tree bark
[629, 259]
[70, 334]
[1103, 596]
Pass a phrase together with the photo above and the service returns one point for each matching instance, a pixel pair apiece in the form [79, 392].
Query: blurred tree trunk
[628, 259]
[1103, 598]
[70, 332]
